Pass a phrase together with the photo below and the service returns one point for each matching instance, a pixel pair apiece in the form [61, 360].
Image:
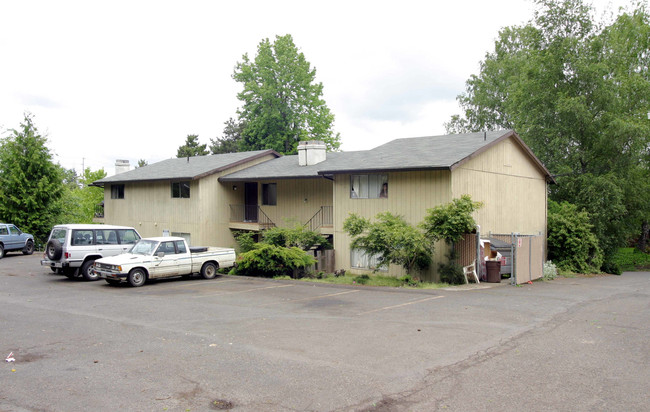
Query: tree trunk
[645, 234]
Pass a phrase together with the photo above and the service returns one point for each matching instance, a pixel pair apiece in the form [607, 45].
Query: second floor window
[117, 191]
[181, 189]
[270, 194]
[368, 186]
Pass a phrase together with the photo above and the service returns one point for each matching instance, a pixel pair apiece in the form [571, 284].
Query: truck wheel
[87, 270]
[29, 248]
[137, 277]
[53, 249]
[209, 270]
[2, 251]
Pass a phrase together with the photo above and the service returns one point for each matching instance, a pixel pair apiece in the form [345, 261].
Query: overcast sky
[131, 79]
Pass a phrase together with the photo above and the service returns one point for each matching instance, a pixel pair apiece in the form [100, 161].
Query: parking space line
[312, 298]
[193, 283]
[242, 291]
[399, 306]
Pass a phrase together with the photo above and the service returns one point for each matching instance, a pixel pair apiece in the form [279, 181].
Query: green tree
[392, 239]
[577, 93]
[30, 183]
[142, 163]
[80, 200]
[282, 103]
[231, 140]
[192, 147]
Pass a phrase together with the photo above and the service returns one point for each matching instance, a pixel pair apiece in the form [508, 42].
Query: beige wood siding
[150, 208]
[297, 200]
[410, 194]
[511, 187]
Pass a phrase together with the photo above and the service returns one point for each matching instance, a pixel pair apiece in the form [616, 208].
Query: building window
[361, 260]
[181, 190]
[117, 191]
[270, 194]
[368, 186]
[186, 236]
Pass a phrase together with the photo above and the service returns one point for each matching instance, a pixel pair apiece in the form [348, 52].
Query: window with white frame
[368, 186]
[361, 260]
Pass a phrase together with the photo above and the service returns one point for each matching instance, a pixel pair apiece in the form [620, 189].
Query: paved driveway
[264, 345]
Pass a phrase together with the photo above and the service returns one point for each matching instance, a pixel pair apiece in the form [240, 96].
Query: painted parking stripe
[311, 298]
[400, 305]
[243, 291]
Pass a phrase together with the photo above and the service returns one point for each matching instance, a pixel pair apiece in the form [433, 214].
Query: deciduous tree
[577, 92]
[282, 103]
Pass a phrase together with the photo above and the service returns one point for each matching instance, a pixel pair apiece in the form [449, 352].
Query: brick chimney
[311, 152]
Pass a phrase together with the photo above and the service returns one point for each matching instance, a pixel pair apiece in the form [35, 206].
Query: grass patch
[372, 280]
[631, 259]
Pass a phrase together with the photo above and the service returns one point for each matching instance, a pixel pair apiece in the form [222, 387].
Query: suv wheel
[2, 251]
[53, 249]
[29, 248]
[87, 270]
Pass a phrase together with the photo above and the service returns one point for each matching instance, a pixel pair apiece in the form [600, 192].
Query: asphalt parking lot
[262, 345]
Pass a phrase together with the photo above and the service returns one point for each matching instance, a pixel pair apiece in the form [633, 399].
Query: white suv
[76, 246]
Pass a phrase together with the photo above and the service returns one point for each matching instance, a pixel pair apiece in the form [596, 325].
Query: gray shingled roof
[185, 168]
[416, 153]
[285, 167]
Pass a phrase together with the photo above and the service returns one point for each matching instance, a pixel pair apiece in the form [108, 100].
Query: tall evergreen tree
[231, 140]
[31, 184]
[192, 147]
[281, 102]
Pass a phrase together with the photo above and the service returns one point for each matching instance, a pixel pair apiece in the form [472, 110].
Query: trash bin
[493, 269]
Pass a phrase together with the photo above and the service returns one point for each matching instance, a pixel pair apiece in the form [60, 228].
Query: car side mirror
[160, 254]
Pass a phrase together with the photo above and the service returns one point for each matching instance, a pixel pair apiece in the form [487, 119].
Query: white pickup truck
[161, 257]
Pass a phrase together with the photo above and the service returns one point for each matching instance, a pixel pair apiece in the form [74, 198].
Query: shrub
[246, 241]
[392, 239]
[452, 273]
[611, 268]
[362, 279]
[296, 236]
[571, 243]
[629, 258]
[270, 261]
[550, 270]
[451, 221]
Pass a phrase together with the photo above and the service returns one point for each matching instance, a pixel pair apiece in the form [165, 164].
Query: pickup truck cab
[162, 257]
[72, 249]
[13, 239]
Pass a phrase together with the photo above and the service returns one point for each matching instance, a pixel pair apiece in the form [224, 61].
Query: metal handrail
[250, 213]
[324, 216]
[99, 210]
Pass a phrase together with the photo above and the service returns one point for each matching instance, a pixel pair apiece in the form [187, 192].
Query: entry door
[250, 201]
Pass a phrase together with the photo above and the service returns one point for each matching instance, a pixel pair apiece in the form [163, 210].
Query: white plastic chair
[471, 272]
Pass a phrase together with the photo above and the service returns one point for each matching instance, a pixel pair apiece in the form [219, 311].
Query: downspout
[478, 251]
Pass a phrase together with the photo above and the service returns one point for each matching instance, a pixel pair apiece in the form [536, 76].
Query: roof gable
[444, 152]
[186, 168]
